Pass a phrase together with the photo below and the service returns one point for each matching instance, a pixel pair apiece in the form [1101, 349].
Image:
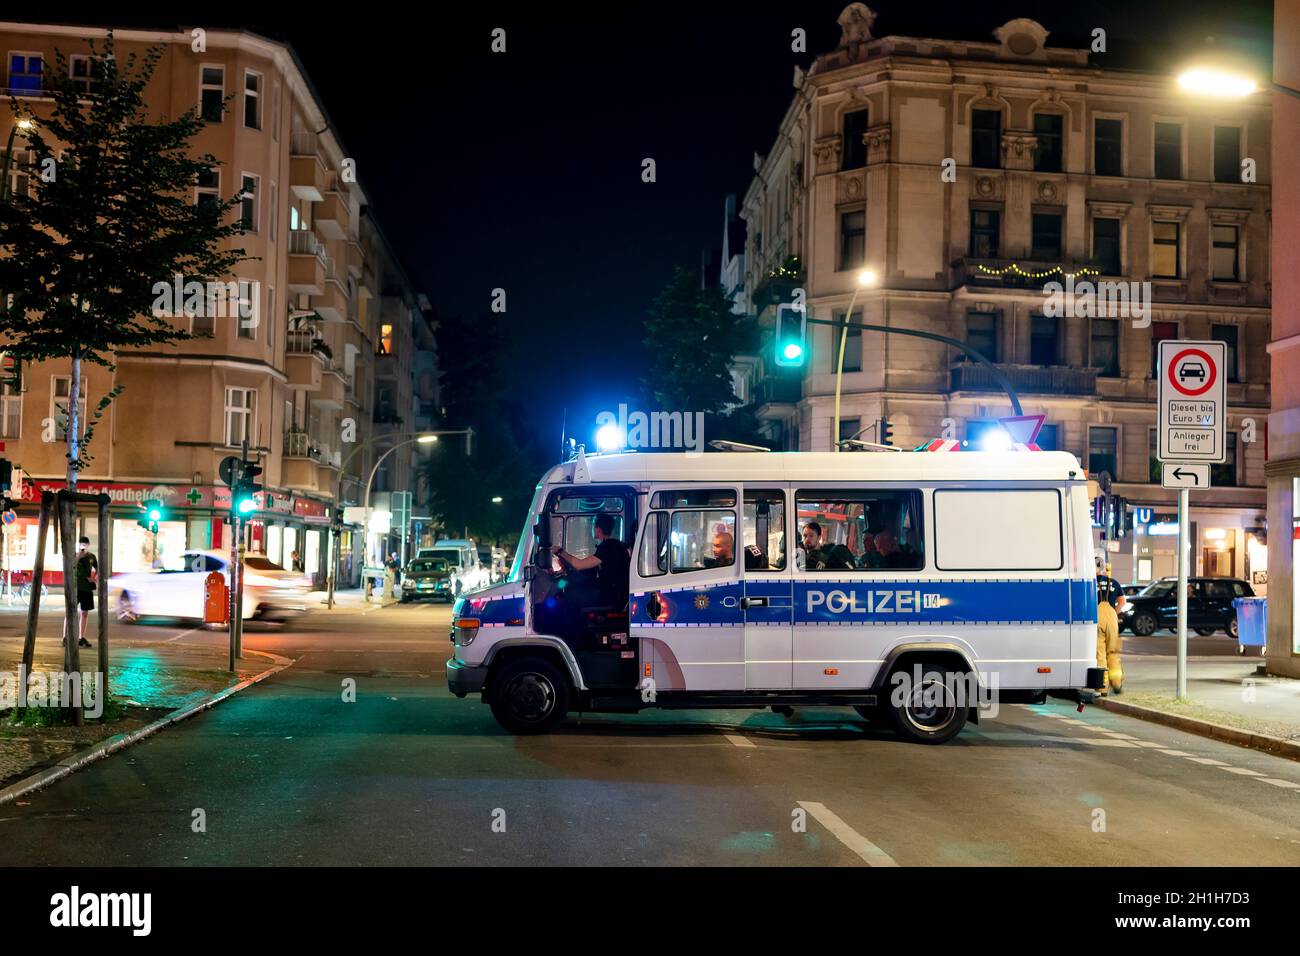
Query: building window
[1048, 127]
[241, 405]
[1225, 475]
[252, 100]
[1169, 151]
[295, 223]
[1105, 347]
[853, 239]
[246, 310]
[1225, 259]
[986, 139]
[985, 233]
[1103, 449]
[208, 191]
[853, 153]
[1227, 334]
[20, 169]
[275, 209]
[212, 92]
[248, 203]
[853, 350]
[384, 346]
[11, 412]
[1108, 147]
[1159, 332]
[60, 389]
[1165, 251]
[25, 74]
[1155, 470]
[982, 334]
[81, 70]
[1227, 154]
[275, 112]
[1047, 438]
[1046, 243]
[270, 315]
[1044, 340]
[849, 428]
[1106, 246]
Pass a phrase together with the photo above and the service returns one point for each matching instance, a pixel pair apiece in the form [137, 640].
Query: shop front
[1225, 542]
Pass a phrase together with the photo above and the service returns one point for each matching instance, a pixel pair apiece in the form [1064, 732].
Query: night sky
[523, 170]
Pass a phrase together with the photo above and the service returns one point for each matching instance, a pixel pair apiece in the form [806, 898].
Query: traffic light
[886, 432]
[1099, 511]
[6, 475]
[243, 498]
[790, 338]
[1121, 519]
[151, 514]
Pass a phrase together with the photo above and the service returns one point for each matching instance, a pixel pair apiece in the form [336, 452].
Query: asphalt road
[288, 773]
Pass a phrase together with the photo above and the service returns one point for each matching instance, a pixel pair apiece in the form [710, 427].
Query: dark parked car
[427, 578]
[1209, 606]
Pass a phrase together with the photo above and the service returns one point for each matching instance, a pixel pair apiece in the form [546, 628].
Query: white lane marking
[1208, 761]
[740, 741]
[1149, 743]
[1104, 742]
[1175, 753]
[182, 634]
[851, 838]
[1285, 784]
[1245, 772]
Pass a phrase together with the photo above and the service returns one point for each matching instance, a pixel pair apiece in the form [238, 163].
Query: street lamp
[865, 278]
[496, 500]
[427, 438]
[1216, 82]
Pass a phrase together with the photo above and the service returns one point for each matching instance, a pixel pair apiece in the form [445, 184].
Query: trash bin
[1252, 622]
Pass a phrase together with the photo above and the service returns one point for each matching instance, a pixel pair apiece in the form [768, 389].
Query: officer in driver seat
[611, 561]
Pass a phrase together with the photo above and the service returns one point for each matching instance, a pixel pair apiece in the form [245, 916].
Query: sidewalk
[146, 682]
[353, 598]
[1226, 698]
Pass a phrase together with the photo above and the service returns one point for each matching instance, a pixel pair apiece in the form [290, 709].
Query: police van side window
[859, 530]
[701, 539]
[998, 530]
[653, 557]
[765, 547]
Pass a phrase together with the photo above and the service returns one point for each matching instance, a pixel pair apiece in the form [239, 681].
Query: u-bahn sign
[1191, 397]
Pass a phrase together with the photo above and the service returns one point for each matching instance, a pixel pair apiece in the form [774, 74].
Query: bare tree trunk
[34, 606]
[68, 534]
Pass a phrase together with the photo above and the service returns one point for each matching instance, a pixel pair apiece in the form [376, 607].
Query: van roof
[826, 466]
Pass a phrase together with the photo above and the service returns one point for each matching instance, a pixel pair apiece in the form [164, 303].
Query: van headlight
[464, 630]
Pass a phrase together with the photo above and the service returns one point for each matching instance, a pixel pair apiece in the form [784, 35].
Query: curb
[1275, 746]
[111, 745]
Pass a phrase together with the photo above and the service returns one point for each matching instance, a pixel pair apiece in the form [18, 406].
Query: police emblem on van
[701, 602]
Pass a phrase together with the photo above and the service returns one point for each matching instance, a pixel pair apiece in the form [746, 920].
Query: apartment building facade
[295, 383]
[968, 175]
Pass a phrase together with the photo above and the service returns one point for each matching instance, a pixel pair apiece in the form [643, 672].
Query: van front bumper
[465, 678]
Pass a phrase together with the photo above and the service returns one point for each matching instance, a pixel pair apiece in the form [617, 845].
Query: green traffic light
[155, 514]
[793, 351]
[245, 505]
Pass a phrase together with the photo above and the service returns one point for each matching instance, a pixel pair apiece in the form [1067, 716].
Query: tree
[109, 214]
[691, 339]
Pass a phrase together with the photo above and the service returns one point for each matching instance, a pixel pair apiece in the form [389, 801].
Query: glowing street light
[427, 439]
[1216, 82]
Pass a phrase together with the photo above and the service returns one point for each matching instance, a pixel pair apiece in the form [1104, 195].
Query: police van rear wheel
[529, 696]
[932, 710]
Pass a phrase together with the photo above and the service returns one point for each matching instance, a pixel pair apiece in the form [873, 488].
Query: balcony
[333, 390]
[332, 303]
[307, 262]
[1030, 274]
[1025, 379]
[308, 174]
[773, 290]
[331, 215]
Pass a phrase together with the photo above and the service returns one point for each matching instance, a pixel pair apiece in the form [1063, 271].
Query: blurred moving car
[176, 590]
[467, 574]
[428, 579]
[1209, 606]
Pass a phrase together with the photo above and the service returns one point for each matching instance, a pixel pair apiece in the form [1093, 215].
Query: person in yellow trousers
[1108, 639]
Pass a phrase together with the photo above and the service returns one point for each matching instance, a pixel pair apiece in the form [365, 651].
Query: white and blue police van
[894, 584]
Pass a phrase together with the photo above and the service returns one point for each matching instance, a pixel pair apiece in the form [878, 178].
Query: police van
[894, 584]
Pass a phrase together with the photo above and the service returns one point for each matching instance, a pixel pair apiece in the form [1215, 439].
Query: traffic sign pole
[1184, 505]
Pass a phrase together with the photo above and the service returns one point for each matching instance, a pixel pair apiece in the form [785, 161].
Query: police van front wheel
[529, 696]
[931, 710]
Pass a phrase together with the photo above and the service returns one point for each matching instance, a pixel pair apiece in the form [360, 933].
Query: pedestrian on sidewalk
[87, 579]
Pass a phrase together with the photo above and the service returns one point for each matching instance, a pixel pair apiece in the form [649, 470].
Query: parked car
[428, 579]
[271, 593]
[1209, 606]
[1132, 589]
[467, 574]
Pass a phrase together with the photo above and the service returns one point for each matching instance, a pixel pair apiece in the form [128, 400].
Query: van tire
[529, 695]
[924, 722]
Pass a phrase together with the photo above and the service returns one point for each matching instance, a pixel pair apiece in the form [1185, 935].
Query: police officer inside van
[611, 562]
